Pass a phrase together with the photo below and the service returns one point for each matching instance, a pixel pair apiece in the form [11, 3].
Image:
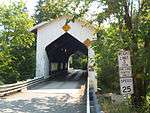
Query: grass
[1, 83]
[108, 107]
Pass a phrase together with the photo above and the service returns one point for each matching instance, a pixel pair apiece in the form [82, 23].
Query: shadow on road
[60, 103]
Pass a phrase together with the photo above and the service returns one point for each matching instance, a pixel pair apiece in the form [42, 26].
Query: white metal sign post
[125, 72]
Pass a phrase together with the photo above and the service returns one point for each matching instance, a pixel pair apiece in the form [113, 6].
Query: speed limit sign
[126, 85]
[125, 72]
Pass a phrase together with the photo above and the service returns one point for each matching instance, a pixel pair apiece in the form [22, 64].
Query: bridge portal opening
[78, 61]
[60, 50]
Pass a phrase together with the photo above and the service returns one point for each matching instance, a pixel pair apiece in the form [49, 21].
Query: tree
[16, 43]
[47, 10]
[78, 61]
[131, 25]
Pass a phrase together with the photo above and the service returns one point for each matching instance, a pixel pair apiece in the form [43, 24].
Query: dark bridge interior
[60, 50]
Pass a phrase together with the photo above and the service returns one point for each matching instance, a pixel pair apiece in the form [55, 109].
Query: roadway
[47, 97]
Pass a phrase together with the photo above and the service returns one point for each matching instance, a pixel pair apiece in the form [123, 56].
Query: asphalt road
[48, 97]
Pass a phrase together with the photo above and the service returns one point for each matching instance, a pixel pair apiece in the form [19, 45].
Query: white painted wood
[91, 72]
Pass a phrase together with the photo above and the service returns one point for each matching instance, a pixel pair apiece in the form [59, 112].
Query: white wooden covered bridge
[55, 45]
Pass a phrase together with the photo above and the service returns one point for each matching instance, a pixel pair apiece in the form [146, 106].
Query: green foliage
[1, 83]
[49, 9]
[52, 9]
[106, 48]
[79, 61]
[129, 30]
[16, 43]
[109, 107]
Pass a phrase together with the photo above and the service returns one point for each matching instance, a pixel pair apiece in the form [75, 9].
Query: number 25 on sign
[126, 85]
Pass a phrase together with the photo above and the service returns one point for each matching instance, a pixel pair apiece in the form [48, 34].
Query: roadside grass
[1, 83]
[124, 107]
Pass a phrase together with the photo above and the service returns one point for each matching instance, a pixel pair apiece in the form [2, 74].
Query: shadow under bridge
[58, 53]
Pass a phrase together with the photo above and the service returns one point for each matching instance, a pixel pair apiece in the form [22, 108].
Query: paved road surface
[49, 97]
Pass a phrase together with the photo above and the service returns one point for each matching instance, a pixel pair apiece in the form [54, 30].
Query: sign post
[125, 72]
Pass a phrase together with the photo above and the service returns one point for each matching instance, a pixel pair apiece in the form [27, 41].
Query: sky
[30, 4]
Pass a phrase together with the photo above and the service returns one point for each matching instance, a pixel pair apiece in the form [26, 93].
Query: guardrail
[93, 102]
[12, 88]
[87, 97]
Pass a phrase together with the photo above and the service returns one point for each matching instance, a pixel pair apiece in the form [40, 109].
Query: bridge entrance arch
[61, 49]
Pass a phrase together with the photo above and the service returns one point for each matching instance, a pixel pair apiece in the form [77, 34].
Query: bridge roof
[82, 22]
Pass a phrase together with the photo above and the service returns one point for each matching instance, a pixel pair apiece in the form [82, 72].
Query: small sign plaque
[124, 61]
[126, 85]
[125, 71]
[124, 58]
[66, 27]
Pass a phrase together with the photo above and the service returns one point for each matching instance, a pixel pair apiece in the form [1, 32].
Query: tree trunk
[138, 81]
